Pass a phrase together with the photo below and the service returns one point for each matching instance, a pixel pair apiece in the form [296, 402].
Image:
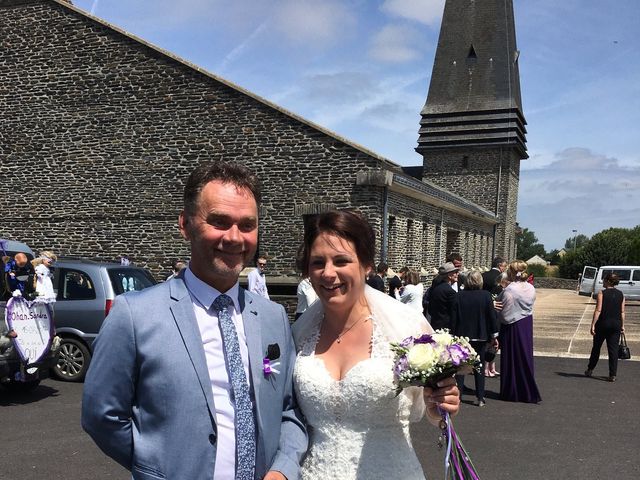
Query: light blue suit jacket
[147, 399]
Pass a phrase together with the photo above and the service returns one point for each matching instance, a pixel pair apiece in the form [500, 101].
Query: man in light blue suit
[170, 392]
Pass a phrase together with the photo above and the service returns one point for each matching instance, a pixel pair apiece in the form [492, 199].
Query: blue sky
[361, 68]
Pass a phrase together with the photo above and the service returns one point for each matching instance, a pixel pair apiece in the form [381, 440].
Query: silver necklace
[340, 335]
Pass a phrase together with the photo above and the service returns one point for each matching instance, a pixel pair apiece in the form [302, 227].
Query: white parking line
[579, 323]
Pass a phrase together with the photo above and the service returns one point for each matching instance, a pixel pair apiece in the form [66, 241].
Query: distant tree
[553, 256]
[609, 247]
[578, 241]
[634, 247]
[571, 264]
[527, 245]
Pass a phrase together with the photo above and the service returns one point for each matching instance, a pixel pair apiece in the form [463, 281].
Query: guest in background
[490, 280]
[44, 284]
[490, 365]
[477, 320]
[442, 297]
[457, 261]
[306, 296]
[517, 381]
[257, 282]
[607, 324]
[395, 282]
[413, 290]
[176, 268]
[376, 280]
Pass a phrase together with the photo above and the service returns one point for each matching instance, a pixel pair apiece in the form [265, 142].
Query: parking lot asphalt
[562, 319]
[585, 428]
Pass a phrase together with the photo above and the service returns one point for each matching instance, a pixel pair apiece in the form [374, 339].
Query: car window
[129, 279]
[636, 275]
[625, 275]
[75, 285]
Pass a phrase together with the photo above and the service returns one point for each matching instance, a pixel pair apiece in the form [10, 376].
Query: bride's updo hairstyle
[517, 271]
[345, 224]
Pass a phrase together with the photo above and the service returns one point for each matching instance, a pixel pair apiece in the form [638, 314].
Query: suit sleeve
[452, 302]
[293, 433]
[109, 386]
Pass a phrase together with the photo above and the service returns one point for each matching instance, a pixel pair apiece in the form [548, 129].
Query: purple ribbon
[456, 456]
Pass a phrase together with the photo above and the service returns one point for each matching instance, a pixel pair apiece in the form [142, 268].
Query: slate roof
[474, 96]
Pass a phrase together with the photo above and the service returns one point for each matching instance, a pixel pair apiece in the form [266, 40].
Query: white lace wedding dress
[358, 427]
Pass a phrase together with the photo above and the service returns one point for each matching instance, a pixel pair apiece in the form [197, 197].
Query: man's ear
[183, 225]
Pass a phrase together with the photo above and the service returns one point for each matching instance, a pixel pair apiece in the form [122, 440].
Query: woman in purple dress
[517, 380]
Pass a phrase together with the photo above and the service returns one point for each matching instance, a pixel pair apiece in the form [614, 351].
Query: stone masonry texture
[99, 130]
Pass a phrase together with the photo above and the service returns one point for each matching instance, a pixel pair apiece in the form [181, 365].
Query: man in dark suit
[442, 297]
[377, 280]
[490, 278]
[395, 282]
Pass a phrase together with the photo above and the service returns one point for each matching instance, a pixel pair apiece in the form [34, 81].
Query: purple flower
[457, 354]
[266, 366]
[425, 338]
[401, 366]
[407, 342]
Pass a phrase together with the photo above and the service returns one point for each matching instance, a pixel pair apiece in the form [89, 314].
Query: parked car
[85, 291]
[591, 282]
[12, 375]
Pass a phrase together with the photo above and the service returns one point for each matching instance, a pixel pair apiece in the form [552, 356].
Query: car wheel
[73, 361]
[15, 386]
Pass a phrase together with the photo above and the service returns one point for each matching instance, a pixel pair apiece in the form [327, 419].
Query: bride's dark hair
[346, 224]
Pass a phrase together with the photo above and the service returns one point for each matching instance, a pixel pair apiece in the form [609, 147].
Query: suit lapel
[185, 318]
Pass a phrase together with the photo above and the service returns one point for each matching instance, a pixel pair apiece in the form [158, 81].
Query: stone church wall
[98, 132]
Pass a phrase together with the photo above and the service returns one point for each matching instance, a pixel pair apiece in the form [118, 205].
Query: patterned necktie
[245, 427]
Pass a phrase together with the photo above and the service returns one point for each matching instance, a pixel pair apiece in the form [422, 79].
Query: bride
[358, 426]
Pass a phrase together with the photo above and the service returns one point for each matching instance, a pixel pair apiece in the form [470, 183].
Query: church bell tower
[472, 130]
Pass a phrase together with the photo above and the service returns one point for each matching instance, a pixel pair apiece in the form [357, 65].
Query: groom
[193, 378]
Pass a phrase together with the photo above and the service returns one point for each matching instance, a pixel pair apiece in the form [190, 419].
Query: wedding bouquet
[424, 361]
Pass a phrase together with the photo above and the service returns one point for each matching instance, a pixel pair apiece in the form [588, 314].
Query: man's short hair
[453, 256]
[382, 268]
[497, 262]
[225, 172]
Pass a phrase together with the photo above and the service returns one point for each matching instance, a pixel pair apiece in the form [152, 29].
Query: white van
[591, 282]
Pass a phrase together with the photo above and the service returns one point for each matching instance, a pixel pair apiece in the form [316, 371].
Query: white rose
[422, 357]
[442, 338]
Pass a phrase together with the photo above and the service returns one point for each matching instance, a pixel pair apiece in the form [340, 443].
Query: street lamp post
[575, 239]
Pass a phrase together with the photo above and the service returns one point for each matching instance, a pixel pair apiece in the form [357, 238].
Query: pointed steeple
[474, 95]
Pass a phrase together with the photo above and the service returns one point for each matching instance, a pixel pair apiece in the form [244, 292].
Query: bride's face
[335, 272]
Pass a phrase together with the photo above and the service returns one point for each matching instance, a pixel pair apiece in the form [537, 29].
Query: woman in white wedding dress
[358, 426]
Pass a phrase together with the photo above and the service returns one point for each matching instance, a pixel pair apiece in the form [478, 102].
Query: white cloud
[397, 44]
[315, 23]
[578, 189]
[428, 12]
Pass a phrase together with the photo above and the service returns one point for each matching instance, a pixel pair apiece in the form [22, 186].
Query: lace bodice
[358, 427]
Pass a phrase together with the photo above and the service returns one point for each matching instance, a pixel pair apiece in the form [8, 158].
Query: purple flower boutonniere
[268, 362]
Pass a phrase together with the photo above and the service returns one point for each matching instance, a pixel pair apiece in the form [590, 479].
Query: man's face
[453, 277]
[502, 267]
[262, 263]
[223, 231]
[457, 264]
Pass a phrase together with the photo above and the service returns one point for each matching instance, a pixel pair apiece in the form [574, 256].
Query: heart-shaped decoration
[33, 324]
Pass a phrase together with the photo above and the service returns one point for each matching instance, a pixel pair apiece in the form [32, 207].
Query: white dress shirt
[202, 296]
[306, 295]
[257, 283]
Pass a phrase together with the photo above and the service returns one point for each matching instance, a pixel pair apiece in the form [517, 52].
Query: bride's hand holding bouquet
[431, 361]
